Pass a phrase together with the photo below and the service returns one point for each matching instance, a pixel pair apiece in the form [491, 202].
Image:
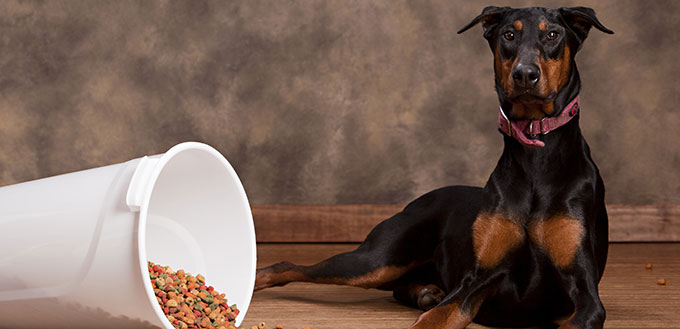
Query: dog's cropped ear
[489, 17]
[580, 20]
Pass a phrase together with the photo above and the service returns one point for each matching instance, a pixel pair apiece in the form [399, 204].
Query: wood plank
[628, 223]
[352, 222]
[319, 223]
[628, 290]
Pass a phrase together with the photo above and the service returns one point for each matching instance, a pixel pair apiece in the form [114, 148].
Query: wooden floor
[630, 292]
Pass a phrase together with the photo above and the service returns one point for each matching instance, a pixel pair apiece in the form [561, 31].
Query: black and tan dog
[528, 248]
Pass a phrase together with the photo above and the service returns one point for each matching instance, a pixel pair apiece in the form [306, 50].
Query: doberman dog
[528, 248]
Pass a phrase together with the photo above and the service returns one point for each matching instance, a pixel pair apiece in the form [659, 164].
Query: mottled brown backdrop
[319, 102]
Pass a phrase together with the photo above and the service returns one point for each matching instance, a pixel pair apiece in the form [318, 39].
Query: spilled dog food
[189, 303]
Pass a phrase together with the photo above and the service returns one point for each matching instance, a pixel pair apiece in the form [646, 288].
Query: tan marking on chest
[493, 237]
[560, 237]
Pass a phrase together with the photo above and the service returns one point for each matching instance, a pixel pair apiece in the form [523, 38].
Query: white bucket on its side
[74, 247]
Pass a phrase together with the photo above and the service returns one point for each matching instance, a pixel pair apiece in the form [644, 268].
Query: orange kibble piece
[278, 326]
[202, 295]
[171, 303]
[648, 266]
[661, 282]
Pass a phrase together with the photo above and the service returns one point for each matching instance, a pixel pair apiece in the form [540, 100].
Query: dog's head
[534, 51]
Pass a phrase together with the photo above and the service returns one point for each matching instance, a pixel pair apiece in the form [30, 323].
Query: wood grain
[352, 222]
[644, 222]
[628, 290]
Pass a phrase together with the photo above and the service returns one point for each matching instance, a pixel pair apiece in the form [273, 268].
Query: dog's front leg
[580, 283]
[459, 307]
[564, 240]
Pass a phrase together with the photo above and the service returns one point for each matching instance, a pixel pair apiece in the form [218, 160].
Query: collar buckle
[540, 128]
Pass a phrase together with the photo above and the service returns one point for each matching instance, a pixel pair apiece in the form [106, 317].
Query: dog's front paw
[429, 297]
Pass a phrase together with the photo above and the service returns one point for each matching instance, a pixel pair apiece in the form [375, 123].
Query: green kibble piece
[213, 307]
[198, 307]
[232, 307]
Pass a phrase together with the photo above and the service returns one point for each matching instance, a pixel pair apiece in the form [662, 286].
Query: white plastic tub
[74, 247]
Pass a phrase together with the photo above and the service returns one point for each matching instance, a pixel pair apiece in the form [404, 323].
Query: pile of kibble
[188, 302]
[191, 304]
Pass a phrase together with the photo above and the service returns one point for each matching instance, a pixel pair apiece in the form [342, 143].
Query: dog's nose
[526, 75]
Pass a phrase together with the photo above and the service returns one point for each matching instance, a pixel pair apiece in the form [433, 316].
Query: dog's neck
[561, 145]
[525, 131]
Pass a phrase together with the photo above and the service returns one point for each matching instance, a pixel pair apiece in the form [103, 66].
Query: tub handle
[140, 183]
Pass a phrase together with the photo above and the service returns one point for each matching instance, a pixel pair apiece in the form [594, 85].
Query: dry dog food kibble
[188, 302]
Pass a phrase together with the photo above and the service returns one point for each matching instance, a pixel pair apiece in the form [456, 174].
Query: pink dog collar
[521, 128]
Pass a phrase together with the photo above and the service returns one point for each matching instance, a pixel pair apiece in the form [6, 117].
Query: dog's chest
[495, 237]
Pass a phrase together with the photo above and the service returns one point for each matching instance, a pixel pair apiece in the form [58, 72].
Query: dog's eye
[509, 36]
[552, 35]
